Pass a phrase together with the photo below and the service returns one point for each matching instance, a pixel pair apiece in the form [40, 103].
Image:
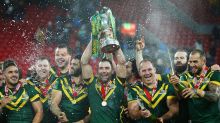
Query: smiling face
[43, 69]
[105, 71]
[196, 62]
[11, 75]
[62, 57]
[147, 72]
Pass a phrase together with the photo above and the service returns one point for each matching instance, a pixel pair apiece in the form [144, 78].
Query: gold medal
[104, 103]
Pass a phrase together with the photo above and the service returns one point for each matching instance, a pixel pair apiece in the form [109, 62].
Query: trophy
[103, 32]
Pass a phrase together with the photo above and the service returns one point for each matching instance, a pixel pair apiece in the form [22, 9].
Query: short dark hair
[77, 57]
[200, 52]
[69, 50]
[8, 63]
[106, 60]
[134, 69]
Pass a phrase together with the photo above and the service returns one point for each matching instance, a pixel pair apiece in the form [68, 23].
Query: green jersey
[20, 110]
[202, 110]
[44, 91]
[183, 115]
[74, 100]
[55, 72]
[105, 109]
[156, 103]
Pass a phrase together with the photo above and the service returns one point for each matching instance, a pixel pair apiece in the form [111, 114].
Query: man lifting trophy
[103, 32]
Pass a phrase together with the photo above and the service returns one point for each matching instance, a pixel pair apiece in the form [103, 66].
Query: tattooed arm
[212, 94]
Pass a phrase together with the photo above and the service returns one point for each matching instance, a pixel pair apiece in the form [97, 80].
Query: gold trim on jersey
[53, 72]
[20, 102]
[160, 94]
[69, 90]
[171, 97]
[119, 80]
[215, 82]
[203, 85]
[90, 80]
[34, 98]
[42, 98]
[109, 93]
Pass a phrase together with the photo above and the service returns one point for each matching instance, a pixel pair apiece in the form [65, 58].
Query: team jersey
[55, 72]
[202, 110]
[44, 91]
[157, 104]
[108, 109]
[183, 115]
[20, 110]
[74, 105]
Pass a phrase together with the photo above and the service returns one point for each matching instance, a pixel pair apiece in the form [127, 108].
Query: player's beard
[180, 69]
[105, 80]
[77, 72]
[197, 72]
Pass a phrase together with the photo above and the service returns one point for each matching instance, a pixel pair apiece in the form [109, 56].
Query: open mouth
[44, 71]
[105, 76]
[60, 61]
[194, 69]
[14, 78]
[147, 76]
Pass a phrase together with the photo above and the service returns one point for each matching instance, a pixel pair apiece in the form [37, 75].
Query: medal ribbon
[58, 71]
[74, 89]
[103, 91]
[45, 89]
[201, 78]
[15, 91]
[150, 96]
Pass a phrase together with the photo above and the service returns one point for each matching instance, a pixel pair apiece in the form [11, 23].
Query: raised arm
[87, 54]
[86, 68]
[120, 68]
[139, 51]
